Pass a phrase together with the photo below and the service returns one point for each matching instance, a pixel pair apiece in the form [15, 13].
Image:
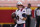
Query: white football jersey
[19, 13]
[28, 11]
[38, 12]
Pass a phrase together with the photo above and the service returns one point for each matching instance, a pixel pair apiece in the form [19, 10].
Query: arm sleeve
[24, 15]
[24, 11]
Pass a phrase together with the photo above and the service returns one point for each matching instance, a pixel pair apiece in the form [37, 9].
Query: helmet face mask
[20, 6]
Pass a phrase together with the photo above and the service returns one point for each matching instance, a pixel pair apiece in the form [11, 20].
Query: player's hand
[24, 18]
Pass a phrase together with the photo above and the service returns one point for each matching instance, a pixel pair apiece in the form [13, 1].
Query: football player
[21, 15]
[29, 15]
[37, 15]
